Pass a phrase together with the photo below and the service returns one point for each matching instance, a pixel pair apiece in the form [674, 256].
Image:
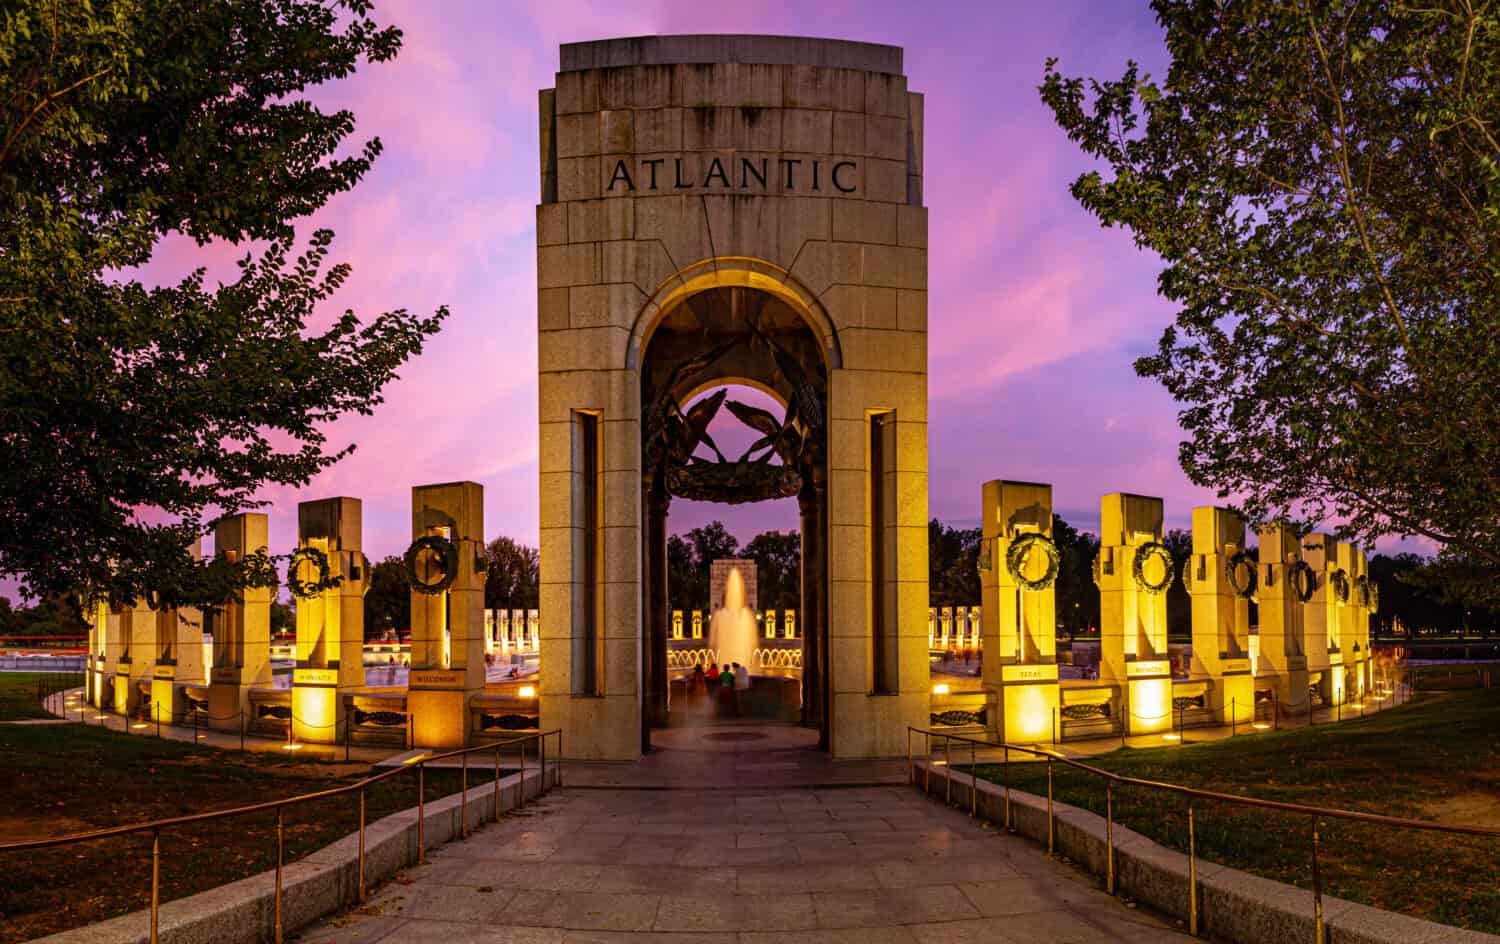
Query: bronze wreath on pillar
[432, 545]
[1015, 560]
[1138, 567]
[1303, 581]
[302, 589]
[1339, 581]
[1241, 559]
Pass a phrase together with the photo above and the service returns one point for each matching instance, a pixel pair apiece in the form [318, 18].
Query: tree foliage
[513, 580]
[1077, 599]
[1322, 185]
[388, 603]
[131, 415]
[952, 565]
[778, 564]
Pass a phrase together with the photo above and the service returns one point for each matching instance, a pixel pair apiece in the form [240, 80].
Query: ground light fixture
[941, 688]
[527, 691]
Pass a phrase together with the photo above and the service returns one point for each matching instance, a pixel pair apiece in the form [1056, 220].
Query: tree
[778, 560]
[283, 618]
[1179, 543]
[388, 603]
[513, 579]
[1076, 597]
[682, 576]
[132, 415]
[952, 565]
[1322, 185]
[688, 565]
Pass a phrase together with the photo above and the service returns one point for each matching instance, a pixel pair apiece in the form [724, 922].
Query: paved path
[861, 865]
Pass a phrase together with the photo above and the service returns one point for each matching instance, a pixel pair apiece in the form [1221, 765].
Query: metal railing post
[973, 783]
[158, 721]
[242, 728]
[559, 758]
[361, 845]
[1006, 776]
[927, 769]
[463, 798]
[911, 773]
[1192, 875]
[497, 781]
[1109, 836]
[521, 786]
[155, 880]
[421, 812]
[1234, 717]
[280, 852]
[948, 766]
[541, 748]
[1051, 822]
[1317, 887]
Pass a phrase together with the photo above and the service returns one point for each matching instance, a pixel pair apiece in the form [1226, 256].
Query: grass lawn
[71, 778]
[1437, 758]
[18, 699]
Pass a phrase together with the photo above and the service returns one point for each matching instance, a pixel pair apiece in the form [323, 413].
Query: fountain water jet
[731, 630]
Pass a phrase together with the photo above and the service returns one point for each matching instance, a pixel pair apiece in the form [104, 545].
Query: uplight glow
[528, 691]
[941, 688]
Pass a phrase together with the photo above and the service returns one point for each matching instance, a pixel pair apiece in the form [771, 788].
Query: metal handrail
[155, 827]
[1111, 778]
[267, 805]
[1324, 811]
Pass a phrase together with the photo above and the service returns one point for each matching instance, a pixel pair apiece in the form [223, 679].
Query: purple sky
[1035, 312]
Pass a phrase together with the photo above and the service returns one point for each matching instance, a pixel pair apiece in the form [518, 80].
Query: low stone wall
[243, 912]
[1233, 906]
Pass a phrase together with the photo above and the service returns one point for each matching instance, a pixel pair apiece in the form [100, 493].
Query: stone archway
[715, 329]
[688, 168]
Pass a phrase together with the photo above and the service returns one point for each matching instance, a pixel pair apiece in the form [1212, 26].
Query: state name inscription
[733, 172]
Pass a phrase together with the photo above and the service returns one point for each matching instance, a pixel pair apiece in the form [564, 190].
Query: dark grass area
[69, 778]
[1437, 759]
[18, 690]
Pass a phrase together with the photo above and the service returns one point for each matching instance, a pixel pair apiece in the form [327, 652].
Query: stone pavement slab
[852, 865]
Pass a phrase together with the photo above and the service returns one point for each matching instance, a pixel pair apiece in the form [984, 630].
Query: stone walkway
[852, 865]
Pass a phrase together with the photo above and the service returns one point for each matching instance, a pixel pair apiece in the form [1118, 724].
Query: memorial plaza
[716, 214]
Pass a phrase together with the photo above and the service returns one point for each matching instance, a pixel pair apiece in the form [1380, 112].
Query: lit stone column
[96, 616]
[1019, 625]
[1322, 620]
[1364, 610]
[331, 622]
[136, 663]
[241, 629]
[447, 627]
[1282, 653]
[179, 654]
[1221, 616]
[1353, 647]
[1133, 620]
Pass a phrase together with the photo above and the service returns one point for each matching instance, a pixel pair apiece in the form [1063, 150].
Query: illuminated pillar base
[317, 709]
[439, 708]
[1027, 703]
[228, 699]
[1291, 685]
[1232, 695]
[1148, 696]
[1332, 685]
[164, 696]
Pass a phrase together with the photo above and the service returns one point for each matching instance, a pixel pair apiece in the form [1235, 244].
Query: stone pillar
[447, 627]
[241, 628]
[1132, 614]
[1283, 654]
[179, 654]
[1348, 612]
[330, 623]
[1018, 627]
[1221, 616]
[96, 618]
[1364, 589]
[137, 661]
[809, 503]
[1321, 620]
[655, 673]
